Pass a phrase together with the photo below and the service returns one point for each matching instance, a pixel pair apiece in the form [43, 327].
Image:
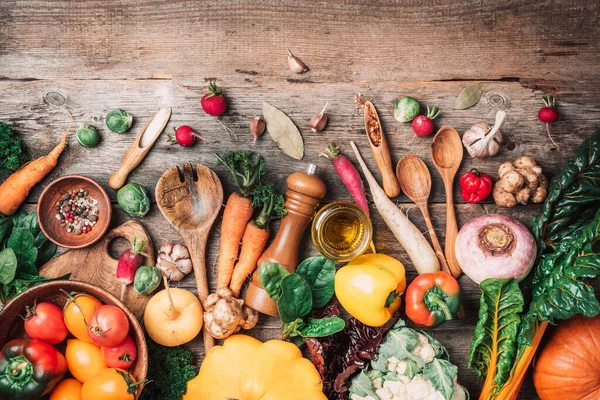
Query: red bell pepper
[475, 186]
[432, 299]
[29, 369]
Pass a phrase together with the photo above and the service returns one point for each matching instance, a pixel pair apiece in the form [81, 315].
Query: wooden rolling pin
[305, 189]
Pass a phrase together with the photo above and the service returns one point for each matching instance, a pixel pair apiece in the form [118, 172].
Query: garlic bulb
[482, 142]
[174, 261]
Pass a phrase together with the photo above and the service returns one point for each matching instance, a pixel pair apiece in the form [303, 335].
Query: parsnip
[410, 237]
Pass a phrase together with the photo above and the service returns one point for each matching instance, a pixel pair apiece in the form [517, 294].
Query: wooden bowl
[46, 211]
[12, 323]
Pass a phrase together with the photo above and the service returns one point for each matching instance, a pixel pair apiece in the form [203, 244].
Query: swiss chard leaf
[271, 274]
[295, 300]
[8, 266]
[493, 348]
[22, 242]
[319, 273]
[322, 327]
[441, 374]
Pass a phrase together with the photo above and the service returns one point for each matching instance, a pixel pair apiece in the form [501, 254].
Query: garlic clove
[318, 122]
[295, 64]
[257, 127]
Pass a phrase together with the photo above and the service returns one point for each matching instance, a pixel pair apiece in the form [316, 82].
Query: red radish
[423, 124]
[346, 170]
[213, 103]
[129, 261]
[185, 136]
[548, 114]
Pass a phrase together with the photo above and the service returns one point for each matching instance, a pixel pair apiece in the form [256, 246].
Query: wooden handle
[434, 239]
[196, 244]
[451, 232]
[118, 179]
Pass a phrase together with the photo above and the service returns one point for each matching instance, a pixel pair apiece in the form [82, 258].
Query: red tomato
[45, 321]
[108, 326]
[121, 355]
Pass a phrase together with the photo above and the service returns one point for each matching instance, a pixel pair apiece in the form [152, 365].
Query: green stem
[20, 371]
[438, 301]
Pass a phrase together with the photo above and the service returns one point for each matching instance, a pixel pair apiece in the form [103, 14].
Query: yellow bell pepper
[369, 288]
[244, 368]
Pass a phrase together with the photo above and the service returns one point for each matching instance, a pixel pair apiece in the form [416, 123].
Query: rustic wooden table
[140, 55]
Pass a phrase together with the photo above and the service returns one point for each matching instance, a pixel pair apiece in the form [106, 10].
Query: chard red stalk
[129, 261]
[349, 175]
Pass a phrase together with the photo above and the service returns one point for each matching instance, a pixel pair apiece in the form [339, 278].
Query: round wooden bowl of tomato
[84, 329]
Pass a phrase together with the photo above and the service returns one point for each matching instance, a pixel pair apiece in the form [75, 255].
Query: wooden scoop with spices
[381, 152]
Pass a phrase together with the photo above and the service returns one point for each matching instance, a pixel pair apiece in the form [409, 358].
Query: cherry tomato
[111, 384]
[77, 311]
[68, 389]
[44, 321]
[84, 359]
[108, 326]
[121, 355]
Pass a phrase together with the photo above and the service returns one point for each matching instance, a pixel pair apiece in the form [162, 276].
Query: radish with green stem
[349, 175]
[410, 237]
[129, 261]
[548, 114]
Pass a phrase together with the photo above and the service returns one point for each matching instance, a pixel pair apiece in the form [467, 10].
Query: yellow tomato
[110, 384]
[68, 389]
[84, 360]
[77, 311]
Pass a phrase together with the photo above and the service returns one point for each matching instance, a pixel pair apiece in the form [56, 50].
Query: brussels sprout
[146, 279]
[134, 199]
[406, 109]
[119, 121]
[87, 136]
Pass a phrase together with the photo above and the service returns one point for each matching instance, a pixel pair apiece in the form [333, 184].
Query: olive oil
[341, 231]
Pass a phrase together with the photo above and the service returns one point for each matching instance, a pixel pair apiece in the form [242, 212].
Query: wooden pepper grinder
[305, 189]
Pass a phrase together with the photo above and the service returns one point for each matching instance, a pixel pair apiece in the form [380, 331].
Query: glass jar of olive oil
[341, 231]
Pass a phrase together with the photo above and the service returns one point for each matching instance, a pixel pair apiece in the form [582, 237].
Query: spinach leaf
[295, 300]
[22, 242]
[362, 386]
[441, 374]
[319, 272]
[45, 252]
[495, 336]
[8, 266]
[322, 327]
[6, 225]
[271, 274]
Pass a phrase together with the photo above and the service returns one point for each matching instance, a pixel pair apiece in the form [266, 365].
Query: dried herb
[283, 131]
[11, 151]
[468, 97]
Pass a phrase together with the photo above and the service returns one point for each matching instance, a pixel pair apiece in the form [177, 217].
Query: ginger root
[226, 315]
[520, 182]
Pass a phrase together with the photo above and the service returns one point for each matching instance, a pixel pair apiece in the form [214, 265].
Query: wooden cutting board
[95, 265]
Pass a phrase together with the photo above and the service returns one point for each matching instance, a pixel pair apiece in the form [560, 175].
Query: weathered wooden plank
[40, 125]
[349, 41]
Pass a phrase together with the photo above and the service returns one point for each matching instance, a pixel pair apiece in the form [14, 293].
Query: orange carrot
[238, 212]
[253, 244]
[247, 170]
[16, 187]
[272, 205]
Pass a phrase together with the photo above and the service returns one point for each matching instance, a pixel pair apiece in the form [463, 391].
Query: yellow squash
[244, 368]
[369, 288]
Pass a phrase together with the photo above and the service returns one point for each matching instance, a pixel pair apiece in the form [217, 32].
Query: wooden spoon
[380, 150]
[447, 154]
[415, 182]
[140, 147]
[191, 201]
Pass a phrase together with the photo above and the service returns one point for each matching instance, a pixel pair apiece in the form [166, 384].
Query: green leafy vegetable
[493, 348]
[11, 150]
[319, 272]
[169, 370]
[283, 131]
[322, 327]
[468, 97]
[8, 266]
[270, 203]
[246, 167]
[439, 373]
[23, 243]
[362, 386]
[295, 300]
[271, 274]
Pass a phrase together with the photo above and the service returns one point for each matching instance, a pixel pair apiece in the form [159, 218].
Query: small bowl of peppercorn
[74, 211]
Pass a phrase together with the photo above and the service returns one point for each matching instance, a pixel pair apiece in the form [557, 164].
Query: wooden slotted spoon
[447, 154]
[415, 182]
[191, 201]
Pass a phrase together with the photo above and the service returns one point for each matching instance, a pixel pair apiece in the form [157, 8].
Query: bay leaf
[468, 97]
[283, 131]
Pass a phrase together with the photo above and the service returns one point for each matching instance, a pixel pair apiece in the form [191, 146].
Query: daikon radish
[410, 237]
